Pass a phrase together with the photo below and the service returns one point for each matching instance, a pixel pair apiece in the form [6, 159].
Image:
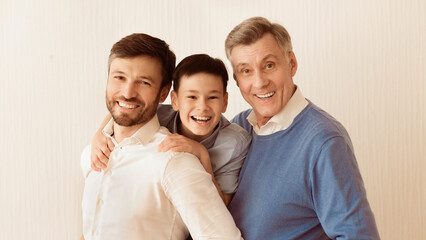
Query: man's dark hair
[140, 44]
[200, 63]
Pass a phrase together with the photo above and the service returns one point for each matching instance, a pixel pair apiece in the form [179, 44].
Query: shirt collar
[143, 135]
[283, 119]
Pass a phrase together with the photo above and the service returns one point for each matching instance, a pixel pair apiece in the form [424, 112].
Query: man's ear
[235, 78]
[174, 101]
[165, 92]
[225, 102]
[293, 63]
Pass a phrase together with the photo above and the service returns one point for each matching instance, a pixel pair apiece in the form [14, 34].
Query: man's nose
[260, 80]
[129, 91]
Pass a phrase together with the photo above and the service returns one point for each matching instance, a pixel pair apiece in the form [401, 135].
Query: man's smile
[264, 96]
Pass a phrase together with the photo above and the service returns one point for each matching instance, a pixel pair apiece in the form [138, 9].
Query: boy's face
[200, 101]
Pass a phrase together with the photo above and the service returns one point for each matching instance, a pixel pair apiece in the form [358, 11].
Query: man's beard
[143, 115]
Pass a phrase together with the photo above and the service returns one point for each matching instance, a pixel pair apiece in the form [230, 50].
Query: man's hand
[101, 149]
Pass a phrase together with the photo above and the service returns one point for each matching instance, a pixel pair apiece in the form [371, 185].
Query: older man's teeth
[126, 105]
[265, 95]
[200, 119]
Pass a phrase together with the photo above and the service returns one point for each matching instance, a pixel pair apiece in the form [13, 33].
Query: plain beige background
[362, 61]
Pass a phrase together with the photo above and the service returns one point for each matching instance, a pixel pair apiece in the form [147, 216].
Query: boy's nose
[202, 104]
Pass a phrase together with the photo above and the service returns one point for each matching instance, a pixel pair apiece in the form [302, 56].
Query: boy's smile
[200, 101]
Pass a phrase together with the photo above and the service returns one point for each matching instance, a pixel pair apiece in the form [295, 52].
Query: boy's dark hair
[140, 44]
[200, 63]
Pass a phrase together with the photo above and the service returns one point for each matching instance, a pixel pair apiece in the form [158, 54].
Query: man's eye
[245, 71]
[144, 83]
[269, 65]
[119, 77]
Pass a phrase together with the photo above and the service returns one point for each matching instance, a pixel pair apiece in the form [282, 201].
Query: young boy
[198, 100]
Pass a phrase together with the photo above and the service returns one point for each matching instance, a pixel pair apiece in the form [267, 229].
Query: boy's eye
[213, 97]
[191, 97]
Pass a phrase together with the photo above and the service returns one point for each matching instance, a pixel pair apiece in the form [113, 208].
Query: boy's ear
[225, 102]
[164, 92]
[174, 101]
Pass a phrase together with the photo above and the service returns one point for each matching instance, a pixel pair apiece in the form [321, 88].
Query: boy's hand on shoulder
[101, 148]
[178, 143]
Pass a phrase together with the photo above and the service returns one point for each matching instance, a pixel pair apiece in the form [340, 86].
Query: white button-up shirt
[146, 194]
[284, 118]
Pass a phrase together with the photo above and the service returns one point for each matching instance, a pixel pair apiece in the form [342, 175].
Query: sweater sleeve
[338, 193]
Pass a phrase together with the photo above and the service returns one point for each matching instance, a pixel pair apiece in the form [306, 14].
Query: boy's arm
[205, 161]
[178, 143]
[228, 154]
[101, 147]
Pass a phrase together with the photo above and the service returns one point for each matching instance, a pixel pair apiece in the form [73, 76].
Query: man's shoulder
[319, 122]
[179, 162]
[160, 135]
[315, 127]
[85, 160]
[241, 120]
[242, 115]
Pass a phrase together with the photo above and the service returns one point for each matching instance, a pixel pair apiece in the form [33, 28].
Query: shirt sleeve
[85, 161]
[227, 156]
[191, 190]
[338, 193]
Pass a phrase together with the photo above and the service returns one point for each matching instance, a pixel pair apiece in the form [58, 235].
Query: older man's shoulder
[241, 120]
[320, 122]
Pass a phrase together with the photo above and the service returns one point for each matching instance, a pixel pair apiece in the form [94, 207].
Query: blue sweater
[302, 183]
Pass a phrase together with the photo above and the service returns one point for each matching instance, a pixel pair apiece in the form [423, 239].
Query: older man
[143, 193]
[300, 179]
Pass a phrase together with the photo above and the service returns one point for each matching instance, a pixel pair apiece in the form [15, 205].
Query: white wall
[362, 61]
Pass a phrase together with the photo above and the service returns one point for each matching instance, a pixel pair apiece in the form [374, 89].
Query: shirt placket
[104, 189]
